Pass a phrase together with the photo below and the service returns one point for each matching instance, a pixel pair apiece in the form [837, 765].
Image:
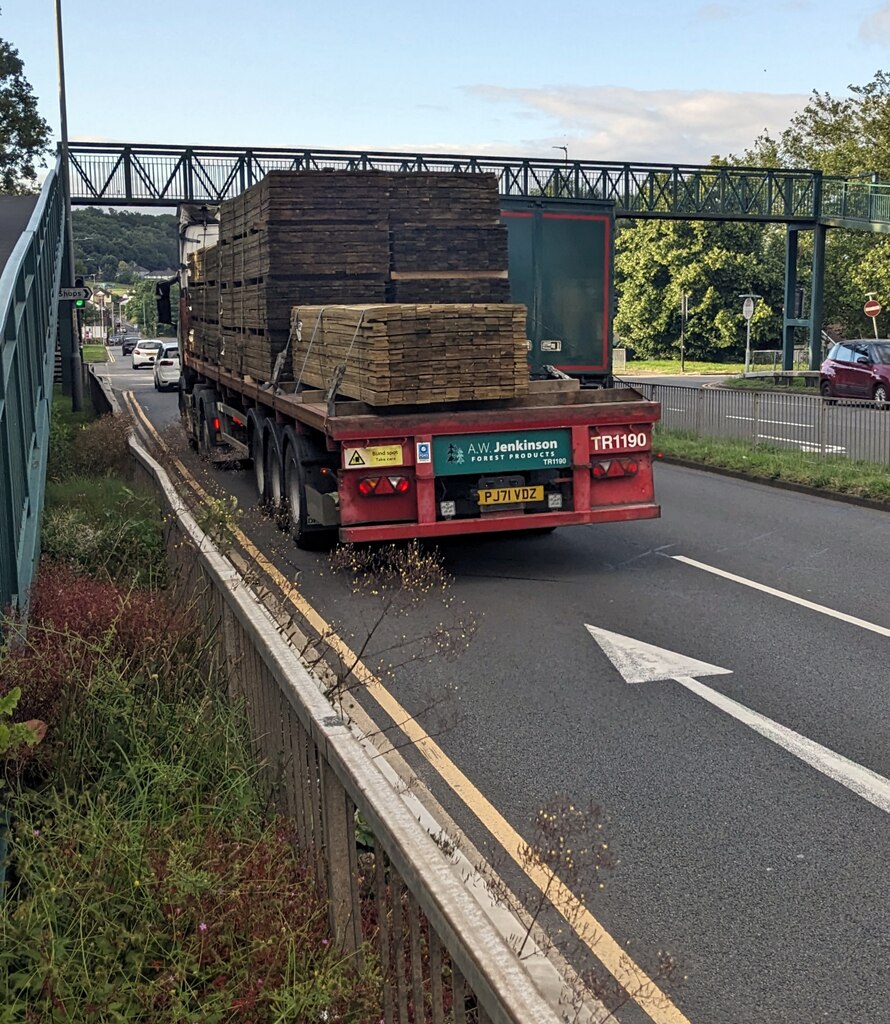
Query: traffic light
[79, 303]
[162, 298]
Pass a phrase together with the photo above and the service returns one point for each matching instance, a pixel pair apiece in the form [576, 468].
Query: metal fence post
[823, 413]
[341, 862]
[755, 418]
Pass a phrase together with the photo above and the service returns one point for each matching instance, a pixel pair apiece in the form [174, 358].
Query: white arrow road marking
[802, 601]
[639, 662]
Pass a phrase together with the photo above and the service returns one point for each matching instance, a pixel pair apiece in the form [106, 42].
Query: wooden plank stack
[321, 238]
[204, 330]
[399, 354]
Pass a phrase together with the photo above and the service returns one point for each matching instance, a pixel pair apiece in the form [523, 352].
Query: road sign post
[872, 308]
[74, 294]
[747, 313]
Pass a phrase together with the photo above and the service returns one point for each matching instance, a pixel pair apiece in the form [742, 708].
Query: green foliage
[714, 262]
[13, 734]
[79, 447]
[656, 261]
[108, 244]
[105, 529]
[25, 137]
[147, 885]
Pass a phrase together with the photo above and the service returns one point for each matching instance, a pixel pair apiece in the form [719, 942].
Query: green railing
[862, 204]
[29, 286]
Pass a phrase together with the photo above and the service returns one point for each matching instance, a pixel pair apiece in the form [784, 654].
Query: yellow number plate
[510, 495]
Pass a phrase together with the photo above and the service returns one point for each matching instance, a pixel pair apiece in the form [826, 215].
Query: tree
[24, 135]
[712, 262]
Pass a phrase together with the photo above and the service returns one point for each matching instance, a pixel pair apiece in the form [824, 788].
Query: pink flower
[202, 927]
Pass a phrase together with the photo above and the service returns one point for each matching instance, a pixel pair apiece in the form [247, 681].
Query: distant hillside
[103, 241]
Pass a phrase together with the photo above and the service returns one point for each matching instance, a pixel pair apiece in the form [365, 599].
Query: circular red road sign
[872, 307]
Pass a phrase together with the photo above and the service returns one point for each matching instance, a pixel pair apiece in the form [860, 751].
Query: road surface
[748, 805]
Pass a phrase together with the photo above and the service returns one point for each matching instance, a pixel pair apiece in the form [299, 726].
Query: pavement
[746, 796]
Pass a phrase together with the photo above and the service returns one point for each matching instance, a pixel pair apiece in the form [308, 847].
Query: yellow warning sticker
[375, 455]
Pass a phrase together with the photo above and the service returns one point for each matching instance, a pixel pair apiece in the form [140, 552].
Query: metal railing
[856, 204]
[441, 959]
[29, 308]
[847, 428]
[104, 173]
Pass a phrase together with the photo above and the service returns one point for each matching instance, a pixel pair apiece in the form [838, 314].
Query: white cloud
[875, 29]
[715, 12]
[663, 126]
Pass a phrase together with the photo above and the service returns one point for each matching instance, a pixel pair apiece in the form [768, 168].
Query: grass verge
[764, 462]
[672, 366]
[94, 354]
[798, 384]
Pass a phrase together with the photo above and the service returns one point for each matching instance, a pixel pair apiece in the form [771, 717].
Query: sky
[629, 81]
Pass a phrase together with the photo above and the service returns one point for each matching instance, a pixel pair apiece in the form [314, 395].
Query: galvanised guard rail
[151, 175]
[441, 959]
[29, 287]
[816, 426]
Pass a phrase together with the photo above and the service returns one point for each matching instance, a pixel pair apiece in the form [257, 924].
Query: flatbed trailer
[339, 469]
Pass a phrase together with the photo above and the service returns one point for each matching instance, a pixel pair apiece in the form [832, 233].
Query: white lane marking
[853, 620]
[777, 423]
[856, 777]
[109, 355]
[640, 662]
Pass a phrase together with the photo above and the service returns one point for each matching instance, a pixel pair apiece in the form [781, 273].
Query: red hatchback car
[859, 368]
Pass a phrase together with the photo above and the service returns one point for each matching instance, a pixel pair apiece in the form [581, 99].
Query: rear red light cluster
[377, 485]
[614, 467]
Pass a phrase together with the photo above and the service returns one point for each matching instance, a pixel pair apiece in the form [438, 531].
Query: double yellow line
[642, 989]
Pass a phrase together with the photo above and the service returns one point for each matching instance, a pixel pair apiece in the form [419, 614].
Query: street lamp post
[75, 362]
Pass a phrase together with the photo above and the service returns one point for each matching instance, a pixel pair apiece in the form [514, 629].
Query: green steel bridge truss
[146, 175]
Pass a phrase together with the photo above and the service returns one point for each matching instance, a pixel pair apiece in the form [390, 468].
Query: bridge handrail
[29, 285]
[167, 175]
[844, 199]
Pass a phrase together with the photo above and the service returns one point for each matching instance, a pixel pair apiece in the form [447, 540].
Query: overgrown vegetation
[147, 880]
[841, 475]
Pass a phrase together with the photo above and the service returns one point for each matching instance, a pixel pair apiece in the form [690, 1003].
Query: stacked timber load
[204, 330]
[399, 354]
[447, 242]
[297, 237]
[353, 237]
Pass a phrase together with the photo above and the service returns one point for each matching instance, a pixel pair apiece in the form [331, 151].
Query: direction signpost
[872, 308]
[74, 294]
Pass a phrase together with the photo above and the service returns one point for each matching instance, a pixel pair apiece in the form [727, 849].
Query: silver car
[167, 367]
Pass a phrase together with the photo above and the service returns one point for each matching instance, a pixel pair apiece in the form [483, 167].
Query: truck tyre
[257, 454]
[308, 536]
[204, 402]
[273, 471]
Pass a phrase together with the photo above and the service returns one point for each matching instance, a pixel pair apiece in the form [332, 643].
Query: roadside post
[747, 313]
[872, 308]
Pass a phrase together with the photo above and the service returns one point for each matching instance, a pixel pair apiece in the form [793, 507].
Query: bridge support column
[791, 239]
[817, 292]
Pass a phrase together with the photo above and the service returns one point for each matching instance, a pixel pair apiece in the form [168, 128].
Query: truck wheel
[201, 399]
[273, 487]
[307, 536]
[258, 457]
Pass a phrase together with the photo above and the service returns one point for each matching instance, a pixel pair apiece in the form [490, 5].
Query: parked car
[145, 352]
[167, 367]
[859, 368]
[128, 343]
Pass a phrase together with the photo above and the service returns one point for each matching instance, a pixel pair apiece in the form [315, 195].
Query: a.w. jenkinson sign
[495, 453]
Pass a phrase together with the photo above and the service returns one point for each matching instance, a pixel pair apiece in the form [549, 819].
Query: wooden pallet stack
[397, 354]
[297, 236]
[446, 240]
[336, 238]
[204, 330]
